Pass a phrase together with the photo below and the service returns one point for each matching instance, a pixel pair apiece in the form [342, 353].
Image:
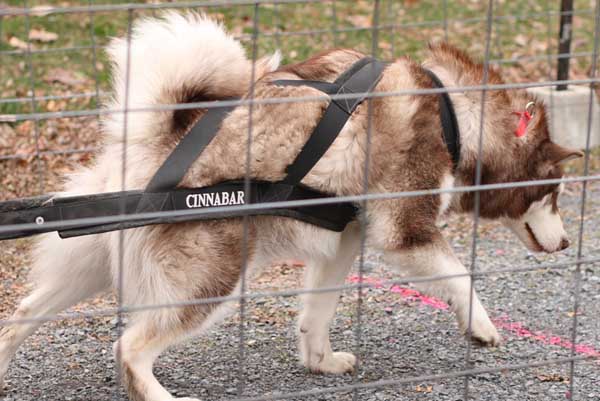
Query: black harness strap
[448, 119]
[172, 171]
[359, 79]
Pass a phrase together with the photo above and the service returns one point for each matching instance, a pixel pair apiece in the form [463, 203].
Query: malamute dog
[189, 58]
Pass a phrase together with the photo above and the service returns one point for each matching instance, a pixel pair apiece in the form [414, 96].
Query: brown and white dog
[187, 58]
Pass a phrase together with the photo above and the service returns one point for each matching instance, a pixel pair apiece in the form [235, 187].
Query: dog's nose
[564, 244]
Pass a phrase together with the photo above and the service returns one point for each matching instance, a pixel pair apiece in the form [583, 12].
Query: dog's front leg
[319, 309]
[437, 259]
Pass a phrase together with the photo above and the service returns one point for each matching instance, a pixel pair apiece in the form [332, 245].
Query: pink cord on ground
[405, 292]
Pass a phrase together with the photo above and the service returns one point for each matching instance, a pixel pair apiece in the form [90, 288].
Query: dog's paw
[335, 363]
[484, 332]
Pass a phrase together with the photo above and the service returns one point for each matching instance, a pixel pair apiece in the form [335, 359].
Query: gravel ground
[400, 337]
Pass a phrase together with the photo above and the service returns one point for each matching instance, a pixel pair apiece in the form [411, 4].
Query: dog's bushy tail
[176, 58]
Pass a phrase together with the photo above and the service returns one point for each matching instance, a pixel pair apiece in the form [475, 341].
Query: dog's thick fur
[187, 58]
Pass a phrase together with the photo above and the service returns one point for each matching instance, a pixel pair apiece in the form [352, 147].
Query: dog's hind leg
[191, 263]
[136, 351]
[64, 273]
[437, 259]
[154, 331]
[319, 308]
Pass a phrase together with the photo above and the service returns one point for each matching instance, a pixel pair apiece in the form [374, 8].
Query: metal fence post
[564, 42]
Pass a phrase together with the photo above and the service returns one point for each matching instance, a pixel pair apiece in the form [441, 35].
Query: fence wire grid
[55, 77]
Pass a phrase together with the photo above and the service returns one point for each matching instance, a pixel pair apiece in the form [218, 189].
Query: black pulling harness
[162, 194]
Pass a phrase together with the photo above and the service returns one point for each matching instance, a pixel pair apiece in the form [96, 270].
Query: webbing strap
[448, 119]
[359, 79]
[172, 171]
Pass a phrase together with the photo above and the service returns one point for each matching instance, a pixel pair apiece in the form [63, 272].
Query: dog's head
[529, 154]
[534, 216]
[516, 147]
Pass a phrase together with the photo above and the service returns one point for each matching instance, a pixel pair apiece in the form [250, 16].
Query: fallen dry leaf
[52, 106]
[521, 40]
[361, 21]
[423, 389]
[553, 378]
[17, 43]
[7, 134]
[385, 45]
[24, 128]
[42, 36]
[65, 77]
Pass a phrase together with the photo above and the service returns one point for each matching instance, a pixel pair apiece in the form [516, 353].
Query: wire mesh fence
[55, 79]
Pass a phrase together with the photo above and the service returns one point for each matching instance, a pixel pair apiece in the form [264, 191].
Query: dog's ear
[267, 64]
[559, 154]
